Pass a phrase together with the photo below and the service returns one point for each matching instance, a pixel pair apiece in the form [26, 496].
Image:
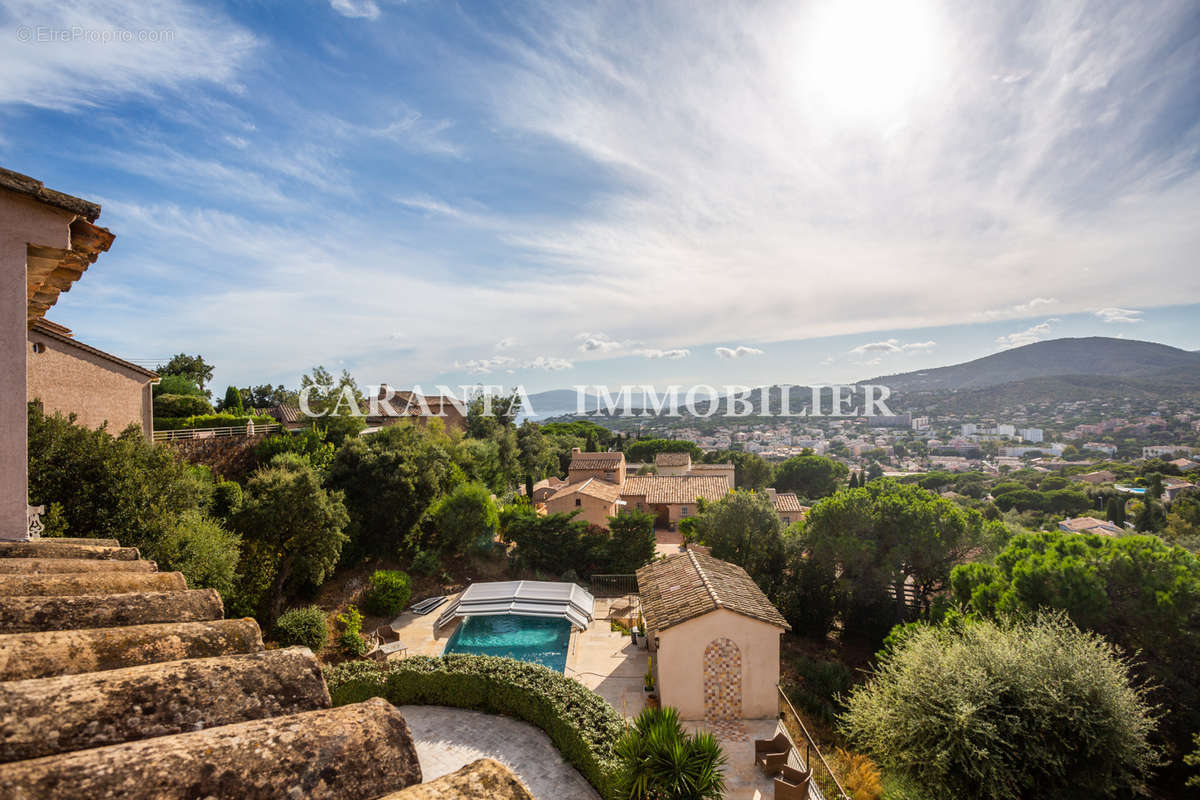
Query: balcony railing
[215, 433]
[806, 747]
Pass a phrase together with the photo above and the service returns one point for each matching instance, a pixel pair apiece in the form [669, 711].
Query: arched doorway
[722, 680]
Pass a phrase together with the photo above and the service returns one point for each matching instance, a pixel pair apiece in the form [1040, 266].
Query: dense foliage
[877, 545]
[980, 710]
[305, 627]
[580, 723]
[1138, 591]
[743, 528]
[293, 528]
[387, 593]
[128, 489]
[810, 476]
[464, 518]
[647, 449]
[565, 547]
[660, 761]
[180, 405]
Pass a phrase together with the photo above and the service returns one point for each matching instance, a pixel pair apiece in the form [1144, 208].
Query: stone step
[48, 716]
[78, 540]
[41, 548]
[44, 566]
[354, 752]
[48, 653]
[74, 612]
[485, 778]
[70, 583]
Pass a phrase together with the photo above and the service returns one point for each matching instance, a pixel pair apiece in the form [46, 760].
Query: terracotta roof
[286, 414]
[672, 459]
[31, 187]
[712, 467]
[53, 331]
[693, 584]
[609, 492]
[787, 503]
[597, 460]
[676, 489]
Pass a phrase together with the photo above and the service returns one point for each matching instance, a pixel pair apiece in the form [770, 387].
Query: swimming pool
[540, 640]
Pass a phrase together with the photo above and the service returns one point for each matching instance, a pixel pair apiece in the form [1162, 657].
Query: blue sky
[551, 194]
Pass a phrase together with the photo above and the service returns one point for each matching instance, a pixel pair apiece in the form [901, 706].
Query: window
[578, 502]
[683, 511]
[38, 347]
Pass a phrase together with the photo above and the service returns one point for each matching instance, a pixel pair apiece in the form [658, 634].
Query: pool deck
[416, 632]
[607, 662]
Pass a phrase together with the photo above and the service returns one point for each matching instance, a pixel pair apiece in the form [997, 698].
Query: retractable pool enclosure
[528, 598]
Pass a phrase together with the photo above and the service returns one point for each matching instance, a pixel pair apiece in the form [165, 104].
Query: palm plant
[660, 761]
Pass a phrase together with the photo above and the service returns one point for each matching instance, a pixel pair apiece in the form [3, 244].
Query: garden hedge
[580, 723]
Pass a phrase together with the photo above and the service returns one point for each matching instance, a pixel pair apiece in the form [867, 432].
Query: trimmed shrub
[302, 626]
[426, 562]
[579, 722]
[180, 405]
[388, 592]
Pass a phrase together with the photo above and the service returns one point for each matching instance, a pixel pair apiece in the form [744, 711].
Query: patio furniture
[772, 754]
[386, 651]
[792, 784]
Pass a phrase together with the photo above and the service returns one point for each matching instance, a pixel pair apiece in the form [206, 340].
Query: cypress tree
[233, 400]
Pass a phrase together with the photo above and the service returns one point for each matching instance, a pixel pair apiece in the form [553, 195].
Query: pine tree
[853, 480]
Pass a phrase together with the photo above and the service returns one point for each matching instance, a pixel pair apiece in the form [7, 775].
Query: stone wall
[231, 457]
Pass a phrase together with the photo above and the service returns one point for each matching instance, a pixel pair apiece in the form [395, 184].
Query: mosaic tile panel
[722, 680]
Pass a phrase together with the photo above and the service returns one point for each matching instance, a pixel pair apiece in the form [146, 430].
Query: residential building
[671, 497]
[594, 498]
[546, 487]
[1185, 464]
[605, 466]
[787, 506]
[1033, 435]
[892, 421]
[714, 638]
[725, 470]
[290, 418]
[70, 377]
[47, 240]
[1097, 477]
[392, 406]
[1089, 525]
[968, 429]
[1099, 447]
[920, 423]
[1160, 450]
[673, 463]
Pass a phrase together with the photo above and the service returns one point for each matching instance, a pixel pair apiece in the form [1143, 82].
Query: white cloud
[483, 366]
[421, 203]
[1034, 333]
[600, 343]
[356, 9]
[1111, 315]
[891, 346]
[674, 354]
[171, 45]
[506, 343]
[737, 352]
[550, 364]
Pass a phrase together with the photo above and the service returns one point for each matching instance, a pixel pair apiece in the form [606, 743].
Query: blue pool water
[540, 640]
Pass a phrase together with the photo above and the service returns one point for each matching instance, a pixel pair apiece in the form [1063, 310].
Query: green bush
[199, 547]
[180, 405]
[989, 711]
[426, 562]
[350, 638]
[388, 592]
[302, 626]
[177, 384]
[659, 759]
[580, 723]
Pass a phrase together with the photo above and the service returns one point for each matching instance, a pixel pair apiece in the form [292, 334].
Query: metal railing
[806, 747]
[215, 433]
[613, 585]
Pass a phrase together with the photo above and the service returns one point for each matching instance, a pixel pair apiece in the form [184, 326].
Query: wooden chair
[772, 754]
[792, 784]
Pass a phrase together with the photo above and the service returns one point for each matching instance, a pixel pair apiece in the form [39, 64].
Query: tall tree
[194, 368]
[743, 528]
[233, 400]
[297, 527]
[632, 543]
[810, 476]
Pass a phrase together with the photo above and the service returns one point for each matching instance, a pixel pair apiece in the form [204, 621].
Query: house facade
[714, 638]
[671, 498]
[596, 500]
[608, 467]
[70, 377]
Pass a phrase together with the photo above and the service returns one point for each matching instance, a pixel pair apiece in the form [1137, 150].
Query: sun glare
[869, 60]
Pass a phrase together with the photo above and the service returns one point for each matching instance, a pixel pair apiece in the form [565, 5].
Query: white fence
[216, 433]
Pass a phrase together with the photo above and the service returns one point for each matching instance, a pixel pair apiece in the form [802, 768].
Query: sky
[553, 194]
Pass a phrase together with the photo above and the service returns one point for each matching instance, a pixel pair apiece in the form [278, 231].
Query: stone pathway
[450, 738]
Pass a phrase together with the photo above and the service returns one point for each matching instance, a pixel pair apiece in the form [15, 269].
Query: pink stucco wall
[23, 222]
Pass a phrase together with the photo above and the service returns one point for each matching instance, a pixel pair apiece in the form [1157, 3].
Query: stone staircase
[116, 680]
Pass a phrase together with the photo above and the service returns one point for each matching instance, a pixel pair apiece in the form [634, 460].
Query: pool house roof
[530, 598]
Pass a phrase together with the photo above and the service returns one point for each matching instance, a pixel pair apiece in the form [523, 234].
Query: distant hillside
[1094, 356]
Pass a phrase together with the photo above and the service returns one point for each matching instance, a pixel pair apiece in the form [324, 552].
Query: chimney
[575, 450]
[770, 493]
